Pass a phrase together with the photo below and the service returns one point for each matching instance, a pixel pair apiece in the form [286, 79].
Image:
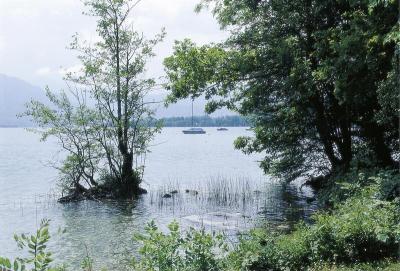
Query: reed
[214, 191]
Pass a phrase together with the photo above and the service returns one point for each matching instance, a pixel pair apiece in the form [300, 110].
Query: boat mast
[192, 112]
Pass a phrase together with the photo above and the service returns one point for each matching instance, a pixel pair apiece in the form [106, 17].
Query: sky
[34, 34]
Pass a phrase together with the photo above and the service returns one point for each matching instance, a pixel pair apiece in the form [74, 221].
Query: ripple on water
[232, 195]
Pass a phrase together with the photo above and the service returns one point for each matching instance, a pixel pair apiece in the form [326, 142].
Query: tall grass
[219, 191]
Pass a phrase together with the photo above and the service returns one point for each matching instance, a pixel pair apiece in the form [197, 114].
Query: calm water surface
[233, 195]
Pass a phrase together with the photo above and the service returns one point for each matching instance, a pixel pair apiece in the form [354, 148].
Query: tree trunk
[375, 136]
[130, 181]
[324, 133]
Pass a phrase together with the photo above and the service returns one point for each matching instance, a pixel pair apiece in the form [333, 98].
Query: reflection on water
[214, 186]
[106, 228]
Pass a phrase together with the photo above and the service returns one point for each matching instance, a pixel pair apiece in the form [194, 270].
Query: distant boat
[193, 130]
[222, 129]
[249, 129]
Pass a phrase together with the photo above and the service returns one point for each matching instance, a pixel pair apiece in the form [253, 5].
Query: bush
[379, 266]
[342, 186]
[39, 258]
[246, 254]
[363, 228]
[194, 250]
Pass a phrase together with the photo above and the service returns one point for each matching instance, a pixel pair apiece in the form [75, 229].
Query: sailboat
[193, 130]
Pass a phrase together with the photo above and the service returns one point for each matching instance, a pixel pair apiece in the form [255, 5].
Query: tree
[106, 128]
[318, 78]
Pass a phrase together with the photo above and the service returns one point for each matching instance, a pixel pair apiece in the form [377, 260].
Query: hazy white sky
[34, 34]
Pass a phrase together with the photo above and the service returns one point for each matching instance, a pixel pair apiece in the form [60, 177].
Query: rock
[166, 196]
[193, 192]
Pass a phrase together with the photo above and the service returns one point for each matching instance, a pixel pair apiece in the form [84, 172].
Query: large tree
[104, 123]
[319, 79]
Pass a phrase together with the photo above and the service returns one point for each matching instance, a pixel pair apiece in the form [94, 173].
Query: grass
[220, 191]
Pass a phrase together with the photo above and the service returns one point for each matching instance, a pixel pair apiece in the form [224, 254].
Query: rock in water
[192, 192]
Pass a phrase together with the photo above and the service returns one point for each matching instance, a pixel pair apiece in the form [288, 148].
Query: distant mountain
[14, 94]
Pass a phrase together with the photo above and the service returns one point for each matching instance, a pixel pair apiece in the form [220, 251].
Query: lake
[228, 192]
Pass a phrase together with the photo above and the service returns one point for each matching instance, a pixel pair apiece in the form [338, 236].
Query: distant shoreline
[196, 121]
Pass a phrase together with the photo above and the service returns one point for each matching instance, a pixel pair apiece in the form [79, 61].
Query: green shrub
[39, 258]
[343, 186]
[246, 254]
[378, 266]
[363, 228]
[193, 250]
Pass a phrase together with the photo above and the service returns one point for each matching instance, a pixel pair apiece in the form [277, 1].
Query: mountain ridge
[14, 94]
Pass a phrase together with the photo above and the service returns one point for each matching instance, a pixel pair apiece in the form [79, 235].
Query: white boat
[194, 130]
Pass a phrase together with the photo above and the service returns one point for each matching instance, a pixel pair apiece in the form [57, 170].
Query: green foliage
[342, 186]
[246, 254]
[87, 262]
[318, 78]
[363, 228]
[39, 258]
[102, 121]
[380, 266]
[193, 250]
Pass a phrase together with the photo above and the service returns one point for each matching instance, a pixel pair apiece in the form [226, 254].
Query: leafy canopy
[318, 79]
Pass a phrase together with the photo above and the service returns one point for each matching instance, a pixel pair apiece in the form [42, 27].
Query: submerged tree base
[97, 194]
